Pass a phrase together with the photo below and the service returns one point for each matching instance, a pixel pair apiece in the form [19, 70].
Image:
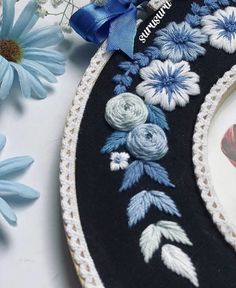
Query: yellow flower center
[10, 50]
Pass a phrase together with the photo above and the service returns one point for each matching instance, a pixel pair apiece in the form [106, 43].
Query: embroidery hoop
[83, 262]
[218, 93]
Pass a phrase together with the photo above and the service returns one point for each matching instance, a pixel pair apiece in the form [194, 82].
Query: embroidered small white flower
[119, 161]
[221, 28]
[168, 84]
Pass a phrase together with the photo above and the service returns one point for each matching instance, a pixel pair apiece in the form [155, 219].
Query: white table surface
[35, 253]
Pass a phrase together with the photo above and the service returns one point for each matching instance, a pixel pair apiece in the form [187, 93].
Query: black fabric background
[113, 246]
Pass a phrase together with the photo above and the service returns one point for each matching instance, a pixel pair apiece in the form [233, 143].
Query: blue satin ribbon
[115, 21]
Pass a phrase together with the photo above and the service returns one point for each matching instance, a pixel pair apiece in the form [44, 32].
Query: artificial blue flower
[168, 84]
[180, 42]
[23, 52]
[10, 188]
[221, 29]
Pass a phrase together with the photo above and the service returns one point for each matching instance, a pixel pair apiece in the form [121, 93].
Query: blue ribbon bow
[116, 20]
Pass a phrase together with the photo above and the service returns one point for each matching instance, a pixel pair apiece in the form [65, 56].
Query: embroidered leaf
[156, 116]
[7, 212]
[164, 203]
[158, 173]
[114, 141]
[151, 237]
[10, 188]
[2, 141]
[179, 262]
[15, 164]
[149, 241]
[141, 203]
[132, 175]
[172, 231]
[137, 208]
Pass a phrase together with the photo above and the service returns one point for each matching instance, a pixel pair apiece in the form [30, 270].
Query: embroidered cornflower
[25, 52]
[168, 84]
[119, 161]
[221, 28]
[180, 42]
[9, 188]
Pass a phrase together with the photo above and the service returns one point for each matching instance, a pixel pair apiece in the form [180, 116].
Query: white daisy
[221, 28]
[168, 84]
[119, 161]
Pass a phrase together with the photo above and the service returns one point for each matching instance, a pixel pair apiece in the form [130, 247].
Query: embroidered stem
[131, 68]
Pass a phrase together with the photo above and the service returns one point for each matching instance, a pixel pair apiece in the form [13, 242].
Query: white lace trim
[83, 262]
[213, 100]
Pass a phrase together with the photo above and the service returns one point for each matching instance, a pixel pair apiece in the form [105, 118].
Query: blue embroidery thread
[147, 142]
[141, 203]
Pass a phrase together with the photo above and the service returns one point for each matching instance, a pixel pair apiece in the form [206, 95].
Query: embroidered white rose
[126, 111]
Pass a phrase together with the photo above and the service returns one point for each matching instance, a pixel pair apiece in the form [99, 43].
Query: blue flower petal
[3, 141]
[26, 20]
[39, 91]
[4, 64]
[23, 79]
[46, 63]
[55, 68]
[44, 37]
[10, 188]
[8, 17]
[38, 70]
[15, 164]
[7, 82]
[37, 54]
[7, 212]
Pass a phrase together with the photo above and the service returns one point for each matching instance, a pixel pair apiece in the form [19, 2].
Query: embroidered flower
[119, 161]
[8, 187]
[147, 142]
[221, 27]
[126, 111]
[23, 51]
[168, 84]
[180, 42]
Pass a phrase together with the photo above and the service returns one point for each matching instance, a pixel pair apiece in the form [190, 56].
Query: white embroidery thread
[168, 84]
[179, 262]
[221, 29]
[151, 237]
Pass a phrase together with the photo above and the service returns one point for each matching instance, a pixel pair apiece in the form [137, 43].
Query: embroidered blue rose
[221, 28]
[168, 84]
[180, 42]
[147, 142]
[126, 111]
